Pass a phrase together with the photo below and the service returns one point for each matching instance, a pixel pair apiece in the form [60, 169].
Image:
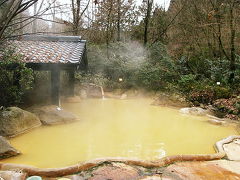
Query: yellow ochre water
[117, 128]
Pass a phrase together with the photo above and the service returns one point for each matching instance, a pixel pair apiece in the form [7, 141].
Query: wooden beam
[49, 66]
[85, 59]
[71, 81]
[83, 66]
[55, 85]
[16, 79]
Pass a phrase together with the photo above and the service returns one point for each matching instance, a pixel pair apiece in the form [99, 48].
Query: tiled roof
[50, 49]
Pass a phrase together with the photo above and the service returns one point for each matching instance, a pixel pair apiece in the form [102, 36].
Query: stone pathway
[202, 170]
[207, 170]
[219, 170]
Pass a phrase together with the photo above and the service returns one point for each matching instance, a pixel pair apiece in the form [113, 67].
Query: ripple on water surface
[117, 128]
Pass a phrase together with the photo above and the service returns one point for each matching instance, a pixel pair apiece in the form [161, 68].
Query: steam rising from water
[130, 54]
[118, 128]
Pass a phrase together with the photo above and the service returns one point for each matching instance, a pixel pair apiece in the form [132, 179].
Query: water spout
[102, 91]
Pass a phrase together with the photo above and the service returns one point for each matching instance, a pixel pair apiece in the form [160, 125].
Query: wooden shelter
[53, 53]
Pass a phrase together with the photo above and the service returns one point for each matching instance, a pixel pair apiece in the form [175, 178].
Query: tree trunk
[71, 82]
[34, 26]
[147, 18]
[77, 14]
[232, 42]
[55, 85]
[109, 25]
[118, 21]
[8, 14]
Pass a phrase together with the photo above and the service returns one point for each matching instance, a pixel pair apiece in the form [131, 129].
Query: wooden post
[16, 79]
[55, 85]
[71, 81]
[85, 59]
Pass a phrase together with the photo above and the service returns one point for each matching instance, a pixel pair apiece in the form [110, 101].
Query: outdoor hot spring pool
[117, 128]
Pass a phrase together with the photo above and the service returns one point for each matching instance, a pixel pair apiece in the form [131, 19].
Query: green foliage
[222, 92]
[15, 78]
[149, 68]
[187, 83]
[208, 69]
[230, 106]
[98, 79]
[199, 77]
[196, 91]
[119, 60]
[202, 91]
[153, 69]
[158, 72]
[41, 88]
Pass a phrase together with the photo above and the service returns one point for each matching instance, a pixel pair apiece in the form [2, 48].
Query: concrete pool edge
[87, 165]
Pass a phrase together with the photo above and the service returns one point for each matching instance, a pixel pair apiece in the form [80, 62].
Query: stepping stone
[233, 150]
[6, 150]
[12, 175]
[231, 146]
